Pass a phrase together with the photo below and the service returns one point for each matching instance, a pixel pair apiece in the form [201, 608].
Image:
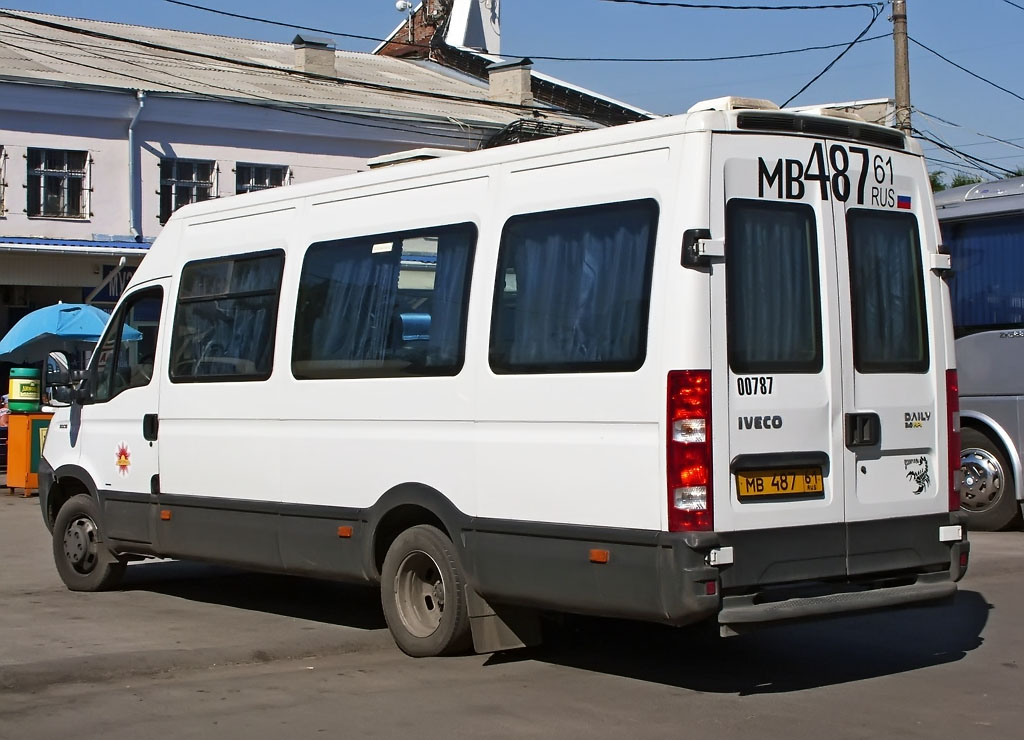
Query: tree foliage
[941, 181]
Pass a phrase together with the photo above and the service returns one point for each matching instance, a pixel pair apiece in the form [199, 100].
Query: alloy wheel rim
[981, 480]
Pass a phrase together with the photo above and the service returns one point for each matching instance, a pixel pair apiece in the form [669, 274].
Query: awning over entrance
[25, 244]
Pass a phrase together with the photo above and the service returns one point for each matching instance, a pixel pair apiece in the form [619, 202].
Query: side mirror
[62, 394]
[57, 371]
[82, 394]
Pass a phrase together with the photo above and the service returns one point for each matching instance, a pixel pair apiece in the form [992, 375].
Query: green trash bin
[24, 390]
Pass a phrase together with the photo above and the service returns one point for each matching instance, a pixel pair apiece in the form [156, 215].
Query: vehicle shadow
[329, 602]
[774, 659]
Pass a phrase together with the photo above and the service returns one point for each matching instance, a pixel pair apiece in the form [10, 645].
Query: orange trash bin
[26, 435]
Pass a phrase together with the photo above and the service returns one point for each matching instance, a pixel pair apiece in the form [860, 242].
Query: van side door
[119, 422]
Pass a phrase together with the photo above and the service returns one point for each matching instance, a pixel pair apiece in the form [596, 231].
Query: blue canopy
[64, 327]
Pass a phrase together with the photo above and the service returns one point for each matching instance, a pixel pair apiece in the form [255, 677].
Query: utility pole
[902, 65]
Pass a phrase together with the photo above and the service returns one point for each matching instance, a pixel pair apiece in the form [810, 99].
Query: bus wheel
[424, 595]
[987, 492]
[83, 560]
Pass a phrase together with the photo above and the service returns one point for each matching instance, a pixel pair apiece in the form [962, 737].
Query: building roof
[57, 50]
[429, 35]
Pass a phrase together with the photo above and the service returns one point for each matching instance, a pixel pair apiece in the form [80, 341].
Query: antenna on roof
[405, 6]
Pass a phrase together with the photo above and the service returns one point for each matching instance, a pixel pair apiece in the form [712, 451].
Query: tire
[83, 560]
[424, 595]
[987, 490]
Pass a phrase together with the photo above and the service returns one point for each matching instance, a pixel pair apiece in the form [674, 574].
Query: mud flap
[505, 628]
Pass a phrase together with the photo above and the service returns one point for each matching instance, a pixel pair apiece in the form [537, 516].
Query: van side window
[125, 356]
[226, 318]
[890, 333]
[773, 303]
[389, 305]
[573, 289]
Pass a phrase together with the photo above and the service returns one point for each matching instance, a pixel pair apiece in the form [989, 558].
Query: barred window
[185, 181]
[250, 177]
[57, 184]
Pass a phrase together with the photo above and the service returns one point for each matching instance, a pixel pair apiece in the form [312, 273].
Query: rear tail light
[688, 454]
[953, 437]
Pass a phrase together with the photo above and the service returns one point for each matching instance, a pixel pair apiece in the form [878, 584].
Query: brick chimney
[511, 81]
[314, 54]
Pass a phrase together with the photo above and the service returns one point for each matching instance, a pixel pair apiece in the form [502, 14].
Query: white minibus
[692, 369]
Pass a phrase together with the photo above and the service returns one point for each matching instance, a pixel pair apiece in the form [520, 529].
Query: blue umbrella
[64, 327]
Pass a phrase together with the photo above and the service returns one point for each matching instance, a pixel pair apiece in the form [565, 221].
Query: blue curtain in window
[988, 272]
[580, 286]
[356, 319]
[448, 302]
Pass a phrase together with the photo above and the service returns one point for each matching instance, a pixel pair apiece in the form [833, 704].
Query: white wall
[98, 121]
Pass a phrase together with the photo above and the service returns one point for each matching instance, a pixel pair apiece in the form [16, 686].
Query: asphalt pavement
[187, 650]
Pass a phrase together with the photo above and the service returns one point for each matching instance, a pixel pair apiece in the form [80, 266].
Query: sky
[986, 37]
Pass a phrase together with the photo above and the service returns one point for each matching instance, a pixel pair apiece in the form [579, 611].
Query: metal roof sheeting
[49, 49]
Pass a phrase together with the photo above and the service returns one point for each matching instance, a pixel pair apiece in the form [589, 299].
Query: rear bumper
[858, 566]
[760, 577]
[741, 612]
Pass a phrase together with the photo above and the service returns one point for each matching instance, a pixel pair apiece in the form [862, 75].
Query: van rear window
[773, 299]
[887, 291]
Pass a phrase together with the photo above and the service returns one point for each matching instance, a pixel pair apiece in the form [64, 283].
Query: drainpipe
[133, 224]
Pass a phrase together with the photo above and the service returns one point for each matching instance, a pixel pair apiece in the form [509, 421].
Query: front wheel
[987, 492]
[423, 594]
[83, 560]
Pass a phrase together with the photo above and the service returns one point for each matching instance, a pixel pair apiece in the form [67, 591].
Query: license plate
[791, 482]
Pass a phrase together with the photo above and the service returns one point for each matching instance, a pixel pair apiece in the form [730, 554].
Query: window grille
[252, 177]
[185, 181]
[57, 183]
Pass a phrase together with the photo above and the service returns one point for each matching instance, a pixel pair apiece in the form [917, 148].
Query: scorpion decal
[919, 476]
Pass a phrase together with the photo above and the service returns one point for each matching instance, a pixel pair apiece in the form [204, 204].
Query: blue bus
[983, 229]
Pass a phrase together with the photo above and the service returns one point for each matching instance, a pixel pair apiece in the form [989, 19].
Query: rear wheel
[83, 560]
[424, 595]
[987, 491]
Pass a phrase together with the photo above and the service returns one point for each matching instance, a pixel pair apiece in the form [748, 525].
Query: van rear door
[823, 313]
[894, 328]
[776, 339]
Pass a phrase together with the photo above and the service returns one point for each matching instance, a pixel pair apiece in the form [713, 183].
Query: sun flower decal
[124, 458]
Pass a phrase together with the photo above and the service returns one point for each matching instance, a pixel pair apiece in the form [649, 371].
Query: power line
[1008, 142]
[540, 57]
[964, 69]
[256, 65]
[710, 6]
[976, 162]
[875, 12]
[1020, 7]
[293, 108]
[411, 45]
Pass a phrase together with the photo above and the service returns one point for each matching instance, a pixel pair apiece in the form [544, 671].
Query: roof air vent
[732, 102]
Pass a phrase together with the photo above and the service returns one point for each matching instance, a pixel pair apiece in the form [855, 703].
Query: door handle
[150, 427]
[863, 430]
